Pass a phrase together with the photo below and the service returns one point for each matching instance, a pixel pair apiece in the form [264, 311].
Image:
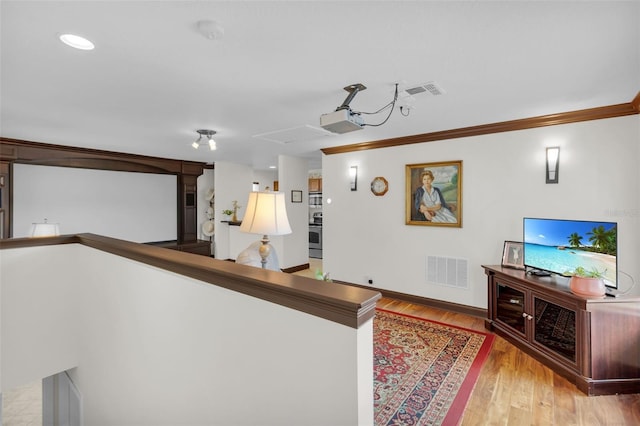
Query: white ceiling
[152, 79]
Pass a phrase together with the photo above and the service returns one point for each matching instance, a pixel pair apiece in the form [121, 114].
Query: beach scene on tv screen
[560, 246]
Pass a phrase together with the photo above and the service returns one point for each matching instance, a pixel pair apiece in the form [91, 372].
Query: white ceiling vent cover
[430, 88]
[295, 134]
[447, 271]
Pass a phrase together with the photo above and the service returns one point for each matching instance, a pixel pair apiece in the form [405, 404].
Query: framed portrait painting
[434, 194]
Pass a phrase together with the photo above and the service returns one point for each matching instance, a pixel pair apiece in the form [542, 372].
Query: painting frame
[296, 196]
[513, 255]
[441, 204]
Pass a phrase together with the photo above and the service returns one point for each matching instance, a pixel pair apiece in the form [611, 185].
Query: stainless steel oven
[317, 218]
[315, 241]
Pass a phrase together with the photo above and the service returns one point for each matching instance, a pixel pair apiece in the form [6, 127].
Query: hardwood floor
[514, 389]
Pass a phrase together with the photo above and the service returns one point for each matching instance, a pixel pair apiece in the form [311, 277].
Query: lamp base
[264, 251]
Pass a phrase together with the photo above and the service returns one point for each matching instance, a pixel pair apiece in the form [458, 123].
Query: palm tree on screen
[603, 240]
[575, 240]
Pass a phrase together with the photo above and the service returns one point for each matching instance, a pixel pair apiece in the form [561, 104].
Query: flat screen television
[558, 245]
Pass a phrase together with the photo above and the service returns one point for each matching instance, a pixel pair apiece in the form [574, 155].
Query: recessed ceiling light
[272, 167]
[76, 42]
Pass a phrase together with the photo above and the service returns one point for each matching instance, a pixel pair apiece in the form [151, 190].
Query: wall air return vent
[447, 271]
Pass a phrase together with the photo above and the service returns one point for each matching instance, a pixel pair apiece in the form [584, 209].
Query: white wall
[234, 182]
[503, 181]
[293, 174]
[137, 207]
[265, 178]
[38, 337]
[156, 348]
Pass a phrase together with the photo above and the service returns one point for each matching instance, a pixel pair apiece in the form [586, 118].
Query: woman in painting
[429, 202]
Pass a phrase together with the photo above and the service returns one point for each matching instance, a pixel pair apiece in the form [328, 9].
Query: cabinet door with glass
[546, 323]
[556, 329]
[510, 305]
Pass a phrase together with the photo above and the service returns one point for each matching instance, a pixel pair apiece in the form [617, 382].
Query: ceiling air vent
[416, 90]
[430, 88]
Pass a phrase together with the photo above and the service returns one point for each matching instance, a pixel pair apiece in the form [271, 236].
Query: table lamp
[45, 229]
[266, 214]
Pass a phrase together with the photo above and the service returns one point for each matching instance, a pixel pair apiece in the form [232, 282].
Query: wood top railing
[343, 304]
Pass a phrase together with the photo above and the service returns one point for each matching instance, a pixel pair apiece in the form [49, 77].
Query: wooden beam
[37, 153]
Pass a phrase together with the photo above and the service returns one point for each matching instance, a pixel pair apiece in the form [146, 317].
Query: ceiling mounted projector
[343, 120]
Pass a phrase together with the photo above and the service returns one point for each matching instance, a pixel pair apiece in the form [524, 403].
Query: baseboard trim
[297, 268]
[289, 270]
[425, 301]
[434, 303]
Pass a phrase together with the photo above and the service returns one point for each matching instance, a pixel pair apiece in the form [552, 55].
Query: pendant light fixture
[208, 135]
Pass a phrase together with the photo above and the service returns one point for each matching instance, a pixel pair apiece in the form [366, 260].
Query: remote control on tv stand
[540, 273]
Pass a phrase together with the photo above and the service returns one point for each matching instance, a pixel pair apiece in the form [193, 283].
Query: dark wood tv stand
[593, 342]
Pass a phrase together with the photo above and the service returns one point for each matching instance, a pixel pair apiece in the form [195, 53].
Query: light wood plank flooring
[514, 389]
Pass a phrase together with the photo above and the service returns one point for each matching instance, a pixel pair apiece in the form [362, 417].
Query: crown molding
[598, 113]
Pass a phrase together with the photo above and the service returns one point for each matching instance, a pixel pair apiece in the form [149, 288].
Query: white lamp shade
[266, 214]
[45, 229]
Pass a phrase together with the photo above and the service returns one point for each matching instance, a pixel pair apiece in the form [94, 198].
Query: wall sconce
[353, 178]
[553, 164]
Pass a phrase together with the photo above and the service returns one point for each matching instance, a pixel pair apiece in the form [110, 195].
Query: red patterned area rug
[424, 371]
